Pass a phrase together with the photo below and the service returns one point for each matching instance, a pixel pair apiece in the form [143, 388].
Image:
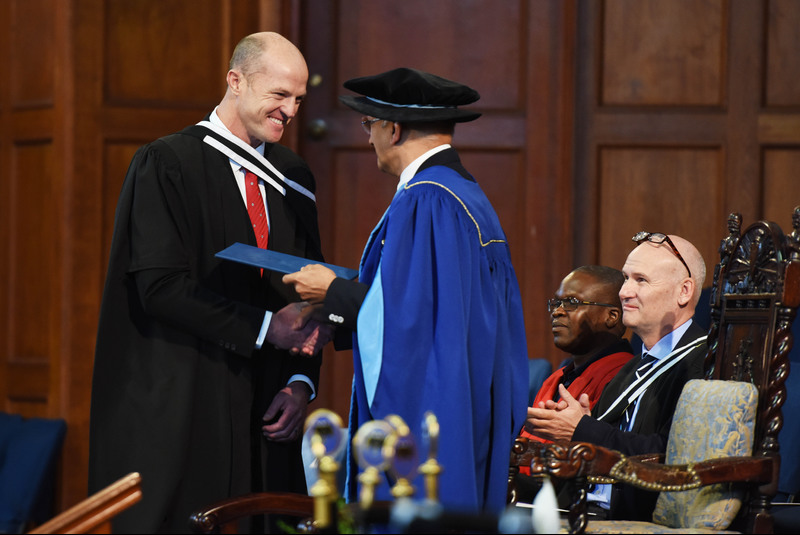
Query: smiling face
[266, 84]
[580, 331]
[656, 292]
[269, 98]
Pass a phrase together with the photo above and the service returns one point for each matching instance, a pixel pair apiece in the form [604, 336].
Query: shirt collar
[664, 347]
[215, 120]
[411, 170]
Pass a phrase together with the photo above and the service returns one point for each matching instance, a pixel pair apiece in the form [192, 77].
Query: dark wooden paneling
[359, 202]
[548, 148]
[663, 146]
[5, 194]
[783, 61]
[33, 288]
[643, 188]
[472, 41]
[745, 38]
[28, 387]
[781, 185]
[663, 53]
[501, 175]
[154, 57]
[32, 65]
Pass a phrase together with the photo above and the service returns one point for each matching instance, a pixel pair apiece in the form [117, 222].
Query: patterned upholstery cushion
[630, 526]
[713, 419]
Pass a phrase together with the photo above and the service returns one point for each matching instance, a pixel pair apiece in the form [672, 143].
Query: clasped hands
[552, 420]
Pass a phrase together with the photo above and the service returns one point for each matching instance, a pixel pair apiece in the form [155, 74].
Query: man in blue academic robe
[436, 312]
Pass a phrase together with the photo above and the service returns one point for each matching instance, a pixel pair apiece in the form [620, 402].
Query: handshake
[293, 328]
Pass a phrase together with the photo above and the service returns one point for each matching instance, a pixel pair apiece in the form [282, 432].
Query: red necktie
[256, 210]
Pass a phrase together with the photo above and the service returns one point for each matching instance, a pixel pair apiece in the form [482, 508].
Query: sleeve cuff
[262, 335]
[307, 381]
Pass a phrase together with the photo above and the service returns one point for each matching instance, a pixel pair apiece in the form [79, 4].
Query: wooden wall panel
[33, 289]
[6, 304]
[663, 53]
[28, 388]
[486, 35]
[34, 255]
[360, 204]
[670, 190]
[501, 175]
[781, 184]
[152, 57]
[783, 60]
[32, 68]
[674, 99]
[32, 227]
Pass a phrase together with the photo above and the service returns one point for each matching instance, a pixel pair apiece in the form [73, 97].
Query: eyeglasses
[658, 237]
[571, 303]
[366, 124]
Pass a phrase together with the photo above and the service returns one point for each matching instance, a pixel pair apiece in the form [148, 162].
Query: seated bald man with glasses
[586, 321]
[663, 279]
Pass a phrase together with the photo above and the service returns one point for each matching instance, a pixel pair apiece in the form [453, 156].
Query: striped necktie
[256, 209]
[646, 363]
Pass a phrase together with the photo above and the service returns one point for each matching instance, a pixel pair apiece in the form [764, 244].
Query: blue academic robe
[441, 329]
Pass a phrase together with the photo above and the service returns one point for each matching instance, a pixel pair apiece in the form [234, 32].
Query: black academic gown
[651, 427]
[178, 390]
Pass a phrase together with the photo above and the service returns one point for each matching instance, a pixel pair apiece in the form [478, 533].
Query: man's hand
[311, 282]
[557, 421]
[292, 328]
[289, 407]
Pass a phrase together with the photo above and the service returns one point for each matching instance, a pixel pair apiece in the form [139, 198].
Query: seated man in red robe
[586, 321]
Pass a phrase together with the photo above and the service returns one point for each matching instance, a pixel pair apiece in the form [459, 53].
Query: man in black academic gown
[189, 388]
[663, 281]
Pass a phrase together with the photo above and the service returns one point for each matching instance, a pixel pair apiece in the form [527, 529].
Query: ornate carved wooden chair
[722, 461]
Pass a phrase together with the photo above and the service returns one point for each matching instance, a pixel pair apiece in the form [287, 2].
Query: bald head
[252, 51]
[266, 84]
[696, 264]
[658, 294]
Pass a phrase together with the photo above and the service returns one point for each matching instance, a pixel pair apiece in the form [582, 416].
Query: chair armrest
[219, 517]
[661, 477]
[563, 459]
[650, 458]
[574, 459]
[586, 463]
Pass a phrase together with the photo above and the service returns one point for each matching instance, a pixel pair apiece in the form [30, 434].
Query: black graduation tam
[410, 95]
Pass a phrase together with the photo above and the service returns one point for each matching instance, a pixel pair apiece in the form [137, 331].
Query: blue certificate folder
[275, 261]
